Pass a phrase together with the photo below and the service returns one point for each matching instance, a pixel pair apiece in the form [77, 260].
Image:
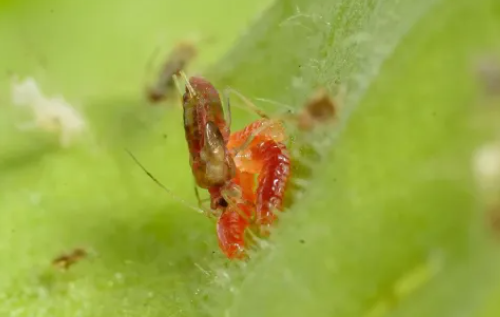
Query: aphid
[177, 61]
[65, 261]
[207, 132]
[319, 109]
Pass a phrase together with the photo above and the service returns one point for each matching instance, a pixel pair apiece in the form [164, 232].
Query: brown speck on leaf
[319, 109]
[65, 261]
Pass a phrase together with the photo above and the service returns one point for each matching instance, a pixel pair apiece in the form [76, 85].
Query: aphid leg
[175, 79]
[177, 84]
[250, 138]
[252, 237]
[233, 195]
[198, 197]
[290, 115]
[201, 203]
[227, 113]
[252, 134]
[276, 103]
[249, 105]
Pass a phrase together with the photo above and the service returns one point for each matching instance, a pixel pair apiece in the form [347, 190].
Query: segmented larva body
[231, 228]
[272, 180]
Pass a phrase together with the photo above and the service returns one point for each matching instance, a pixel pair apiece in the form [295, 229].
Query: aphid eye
[222, 203]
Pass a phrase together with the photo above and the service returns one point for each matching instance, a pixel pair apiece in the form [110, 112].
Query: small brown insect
[65, 261]
[319, 109]
[177, 60]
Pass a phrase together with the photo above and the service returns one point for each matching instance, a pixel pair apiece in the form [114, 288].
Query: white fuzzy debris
[53, 114]
[487, 166]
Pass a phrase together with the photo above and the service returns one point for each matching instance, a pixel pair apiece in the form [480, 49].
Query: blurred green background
[389, 220]
[95, 54]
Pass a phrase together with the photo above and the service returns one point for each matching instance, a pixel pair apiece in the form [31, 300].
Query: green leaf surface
[388, 222]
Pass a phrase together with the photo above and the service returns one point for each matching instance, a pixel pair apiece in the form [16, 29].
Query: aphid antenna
[188, 85]
[150, 61]
[198, 197]
[240, 212]
[167, 190]
[276, 103]
[249, 105]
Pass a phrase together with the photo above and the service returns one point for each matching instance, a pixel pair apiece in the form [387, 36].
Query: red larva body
[268, 158]
[236, 218]
[231, 228]
[273, 179]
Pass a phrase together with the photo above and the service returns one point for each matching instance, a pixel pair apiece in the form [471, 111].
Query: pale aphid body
[53, 115]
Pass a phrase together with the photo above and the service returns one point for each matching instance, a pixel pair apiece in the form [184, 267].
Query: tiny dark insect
[319, 109]
[65, 261]
[177, 61]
